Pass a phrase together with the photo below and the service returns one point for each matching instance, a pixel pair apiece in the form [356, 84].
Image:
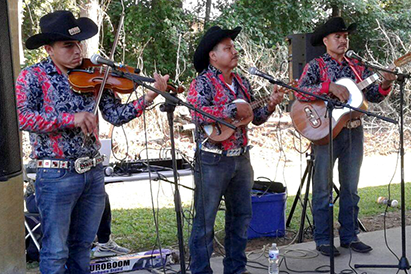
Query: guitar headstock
[293, 83]
[403, 60]
[173, 88]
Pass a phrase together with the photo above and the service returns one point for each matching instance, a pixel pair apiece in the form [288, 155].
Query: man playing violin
[222, 169]
[69, 179]
[319, 77]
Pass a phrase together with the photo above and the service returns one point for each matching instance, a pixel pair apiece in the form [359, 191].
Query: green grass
[135, 229]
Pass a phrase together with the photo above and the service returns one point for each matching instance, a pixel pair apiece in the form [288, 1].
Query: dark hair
[51, 43]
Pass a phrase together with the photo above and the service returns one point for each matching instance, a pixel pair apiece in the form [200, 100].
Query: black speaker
[10, 158]
[301, 52]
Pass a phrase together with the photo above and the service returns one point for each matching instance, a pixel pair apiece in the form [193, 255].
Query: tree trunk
[207, 13]
[336, 12]
[91, 9]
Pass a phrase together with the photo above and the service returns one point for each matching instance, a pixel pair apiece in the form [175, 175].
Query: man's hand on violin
[86, 121]
[275, 98]
[160, 84]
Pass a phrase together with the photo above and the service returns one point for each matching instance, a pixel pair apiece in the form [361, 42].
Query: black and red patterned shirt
[210, 93]
[320, 72]
[46, 106]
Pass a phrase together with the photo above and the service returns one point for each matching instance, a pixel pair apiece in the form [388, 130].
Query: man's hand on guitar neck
[339, 91]
[389, 78]
[276, 97]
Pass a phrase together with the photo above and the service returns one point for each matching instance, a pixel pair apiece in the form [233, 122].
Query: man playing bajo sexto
[319, 77]
[222, 168]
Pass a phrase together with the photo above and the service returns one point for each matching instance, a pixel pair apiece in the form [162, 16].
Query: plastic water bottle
[273, 255]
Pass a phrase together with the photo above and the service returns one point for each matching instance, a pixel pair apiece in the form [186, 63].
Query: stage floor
[303, 257]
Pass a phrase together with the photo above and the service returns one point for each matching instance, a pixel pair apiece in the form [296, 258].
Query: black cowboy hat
[61, 26]
[212, 37]
[333, 25]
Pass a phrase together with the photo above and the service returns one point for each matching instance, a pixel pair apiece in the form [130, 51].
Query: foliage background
[161, 35]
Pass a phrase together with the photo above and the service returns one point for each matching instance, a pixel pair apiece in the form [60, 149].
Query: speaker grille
[10, 157]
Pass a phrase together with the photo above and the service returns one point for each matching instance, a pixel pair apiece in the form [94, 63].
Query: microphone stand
[331, 105]
[169, 106]
[403, 263]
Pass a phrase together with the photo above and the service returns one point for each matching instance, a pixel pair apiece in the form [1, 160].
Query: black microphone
[255, 71]
[353, 55]
[98, 60]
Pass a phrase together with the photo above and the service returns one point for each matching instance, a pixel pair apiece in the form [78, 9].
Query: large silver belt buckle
[83, 164]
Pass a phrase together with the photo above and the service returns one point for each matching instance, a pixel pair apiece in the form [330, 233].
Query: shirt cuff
[141, 103]
[68, 120]
[325, 87]
[384, 92]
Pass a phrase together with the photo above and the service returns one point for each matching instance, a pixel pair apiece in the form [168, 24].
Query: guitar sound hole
[312, 116]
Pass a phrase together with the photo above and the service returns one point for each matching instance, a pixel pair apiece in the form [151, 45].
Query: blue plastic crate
[268, 215]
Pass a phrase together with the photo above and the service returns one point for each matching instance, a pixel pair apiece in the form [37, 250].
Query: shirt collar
[327, 58]
[217, 72]
[214, 70]
[50, 67]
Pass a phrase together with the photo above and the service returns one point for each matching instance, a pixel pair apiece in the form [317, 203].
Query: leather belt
[353, 123]
[80, 165]
[53, 164]
[229, 152]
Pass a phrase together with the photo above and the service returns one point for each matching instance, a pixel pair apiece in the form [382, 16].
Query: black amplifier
[137, 166]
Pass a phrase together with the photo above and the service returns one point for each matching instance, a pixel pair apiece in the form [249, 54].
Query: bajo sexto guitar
[219, 133]
[310, 119]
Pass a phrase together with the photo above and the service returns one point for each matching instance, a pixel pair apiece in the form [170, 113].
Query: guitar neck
[261, 102]
[368, 81]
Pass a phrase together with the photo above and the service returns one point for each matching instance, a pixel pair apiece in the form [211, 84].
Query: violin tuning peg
[137, 70]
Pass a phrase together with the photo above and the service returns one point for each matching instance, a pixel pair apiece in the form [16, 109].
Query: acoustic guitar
[310, 118]
[219, 133]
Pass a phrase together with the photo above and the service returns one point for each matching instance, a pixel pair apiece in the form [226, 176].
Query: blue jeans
[70, 206]
[348, 149]
[217, 176]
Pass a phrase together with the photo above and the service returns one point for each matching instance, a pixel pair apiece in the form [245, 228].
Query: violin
[87, 78]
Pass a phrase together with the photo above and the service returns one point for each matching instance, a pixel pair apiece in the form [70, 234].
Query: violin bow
[113, 50]
[107, 71]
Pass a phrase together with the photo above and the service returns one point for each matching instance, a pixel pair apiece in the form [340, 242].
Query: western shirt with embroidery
[210, 93]
[320, 72]
[46, 106]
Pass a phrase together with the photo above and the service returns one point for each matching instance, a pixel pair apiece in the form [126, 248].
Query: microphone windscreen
[252, 70]
[349, 53]
[94, 59]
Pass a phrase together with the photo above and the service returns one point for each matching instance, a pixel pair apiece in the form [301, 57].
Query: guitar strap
[357, 75]
[323, 70]
[242, 87]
